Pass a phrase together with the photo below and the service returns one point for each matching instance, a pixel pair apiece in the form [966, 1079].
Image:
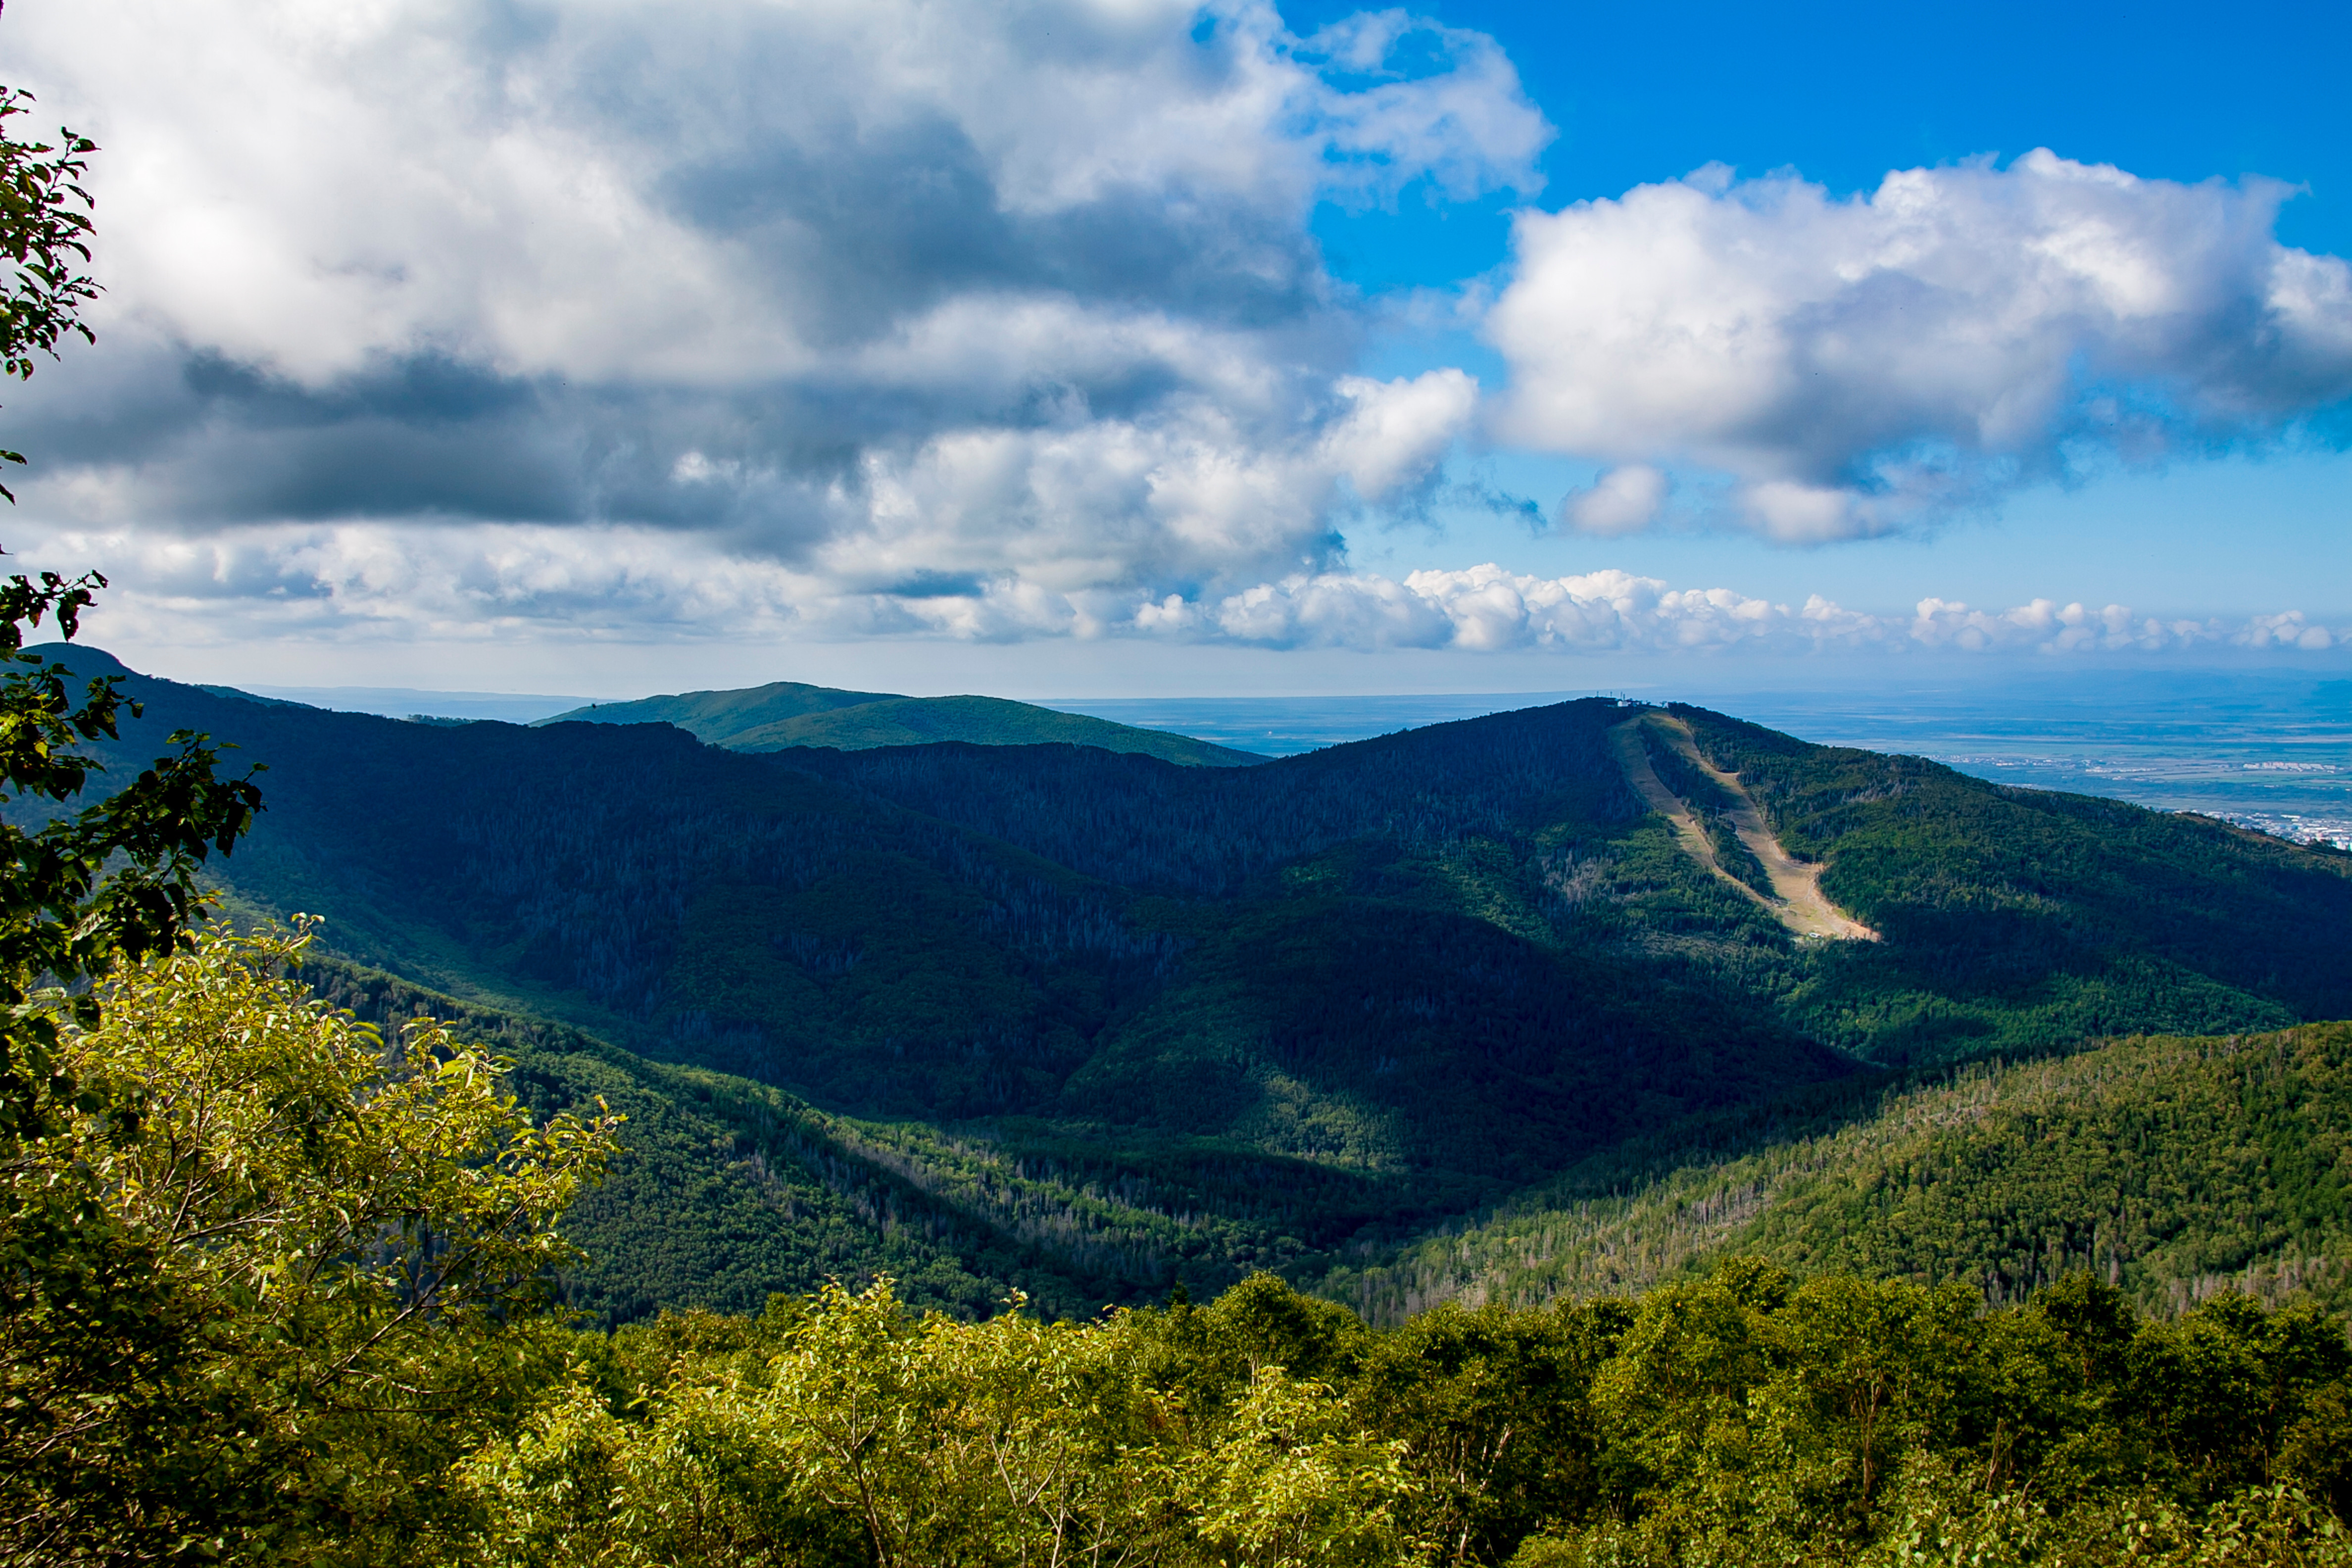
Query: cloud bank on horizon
[358, 581]
[452, 318]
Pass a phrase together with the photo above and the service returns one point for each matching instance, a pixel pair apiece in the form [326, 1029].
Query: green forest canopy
[317, 1338]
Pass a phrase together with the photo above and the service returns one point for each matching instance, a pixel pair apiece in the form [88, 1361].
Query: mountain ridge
[786, 713]
[1159, 1023]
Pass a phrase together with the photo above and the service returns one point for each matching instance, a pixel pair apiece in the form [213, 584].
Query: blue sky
[1059, 347]
[1842, 94]
[1846, 92]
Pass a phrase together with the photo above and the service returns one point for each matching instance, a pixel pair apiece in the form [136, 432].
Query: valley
[1092, 1024]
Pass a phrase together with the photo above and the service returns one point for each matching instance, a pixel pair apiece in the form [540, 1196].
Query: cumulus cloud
[455, 318]
[1858, 364]
[1624, 500]
[890, 293]
[1488, 609]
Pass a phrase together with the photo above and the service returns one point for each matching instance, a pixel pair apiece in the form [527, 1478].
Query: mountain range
[1532, 1001]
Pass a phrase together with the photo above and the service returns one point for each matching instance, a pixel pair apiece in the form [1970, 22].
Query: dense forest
[311, 1327]
[1740, 1418]
[2170, 1168]
[1626, 1261]
[1098, 1024]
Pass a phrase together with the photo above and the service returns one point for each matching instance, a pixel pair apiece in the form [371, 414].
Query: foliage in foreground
[1741, 1419]
[272, 1277]
[319, 1331]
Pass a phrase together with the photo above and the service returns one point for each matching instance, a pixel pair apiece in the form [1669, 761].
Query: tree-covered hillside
[1158, 1022]
[787, 713]
[276, 1292]
[1988, 893]
[2171, 1168]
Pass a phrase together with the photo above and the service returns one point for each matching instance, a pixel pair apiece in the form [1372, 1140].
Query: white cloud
[1625, 499]
[1395, 432]
[899, 291]
[447, 319]
[1855, 364]
[1487, 609]
[362, 582]
[630, 191]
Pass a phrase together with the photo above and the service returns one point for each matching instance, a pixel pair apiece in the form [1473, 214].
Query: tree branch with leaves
[45, 233]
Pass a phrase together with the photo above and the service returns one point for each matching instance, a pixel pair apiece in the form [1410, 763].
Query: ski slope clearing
[1797, 900]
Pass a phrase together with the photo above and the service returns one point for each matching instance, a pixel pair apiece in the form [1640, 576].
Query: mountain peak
[786, 714]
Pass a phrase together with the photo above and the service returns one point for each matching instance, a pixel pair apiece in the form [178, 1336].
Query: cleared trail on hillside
[1797, 901]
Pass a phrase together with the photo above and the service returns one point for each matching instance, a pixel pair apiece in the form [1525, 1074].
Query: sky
[1140, 347]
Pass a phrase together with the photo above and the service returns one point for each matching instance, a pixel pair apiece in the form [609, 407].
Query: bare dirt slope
[1797, 901]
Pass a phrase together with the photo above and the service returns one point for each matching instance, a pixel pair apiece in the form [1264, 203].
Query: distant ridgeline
[773, 718]
[1559, 1001]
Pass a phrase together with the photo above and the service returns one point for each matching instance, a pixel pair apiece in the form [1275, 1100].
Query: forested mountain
[787, 713]
[1102, 1022]
[726, 1191]
[2171, 1168]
